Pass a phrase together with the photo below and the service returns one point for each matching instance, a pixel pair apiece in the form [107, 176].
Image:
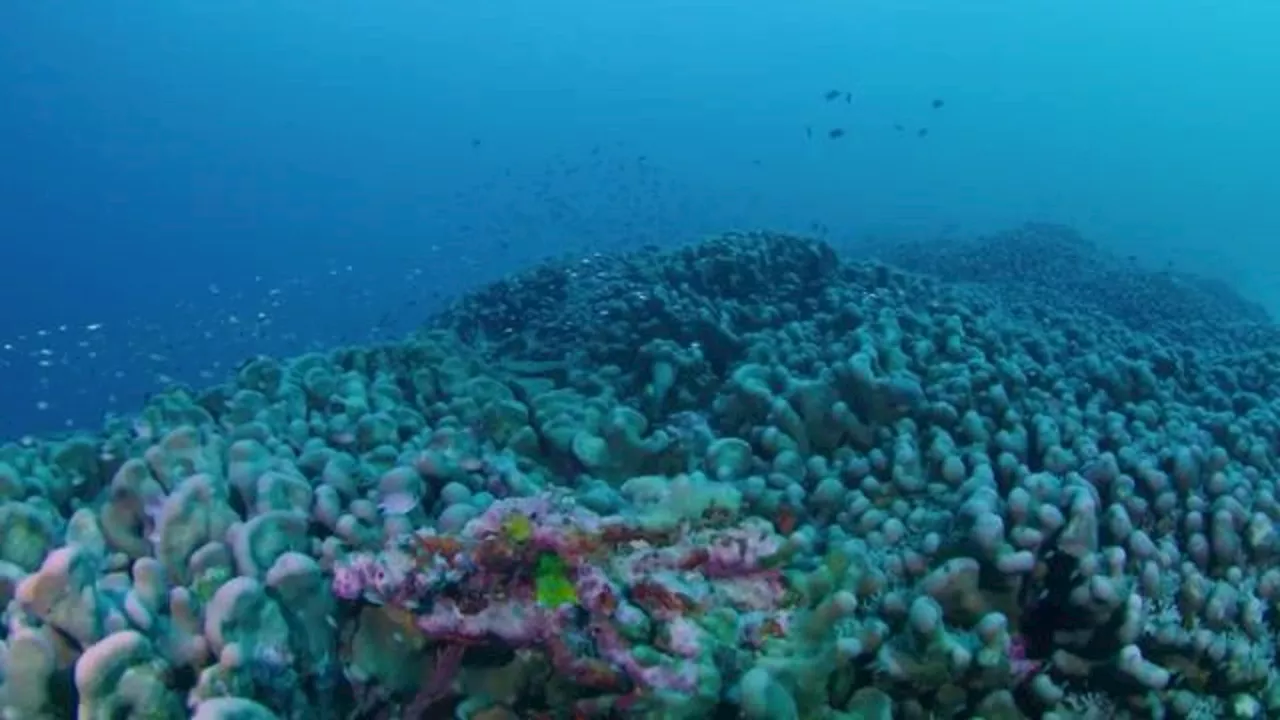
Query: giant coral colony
[745, 478]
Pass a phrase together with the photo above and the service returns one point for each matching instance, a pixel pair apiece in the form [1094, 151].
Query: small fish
[831, 95]
[922, 132]
[786, 520]
[848, 98]
[517, 528]
[808, 132]
[938, 103]
[552, 586]
[898, 127]
[835, 133]
[398, 503]
[143, 430]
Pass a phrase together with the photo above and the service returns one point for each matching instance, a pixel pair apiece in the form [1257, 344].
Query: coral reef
[744, 478]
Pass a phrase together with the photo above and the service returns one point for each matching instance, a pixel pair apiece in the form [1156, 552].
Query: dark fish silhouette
[848, 98]
[922, 132]
[808, 131]
[937, 103]
[898, 127]
[835, 133]
[832, 95]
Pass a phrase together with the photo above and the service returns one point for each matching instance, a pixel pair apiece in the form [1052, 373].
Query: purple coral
[620, 573]
[352, 577]
[519, 623]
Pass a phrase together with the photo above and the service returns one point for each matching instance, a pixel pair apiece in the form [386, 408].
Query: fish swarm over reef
[739, 479]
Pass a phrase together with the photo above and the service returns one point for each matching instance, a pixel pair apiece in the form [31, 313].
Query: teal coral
[763, 481]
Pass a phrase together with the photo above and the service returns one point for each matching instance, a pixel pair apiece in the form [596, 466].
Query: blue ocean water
[184, 185]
